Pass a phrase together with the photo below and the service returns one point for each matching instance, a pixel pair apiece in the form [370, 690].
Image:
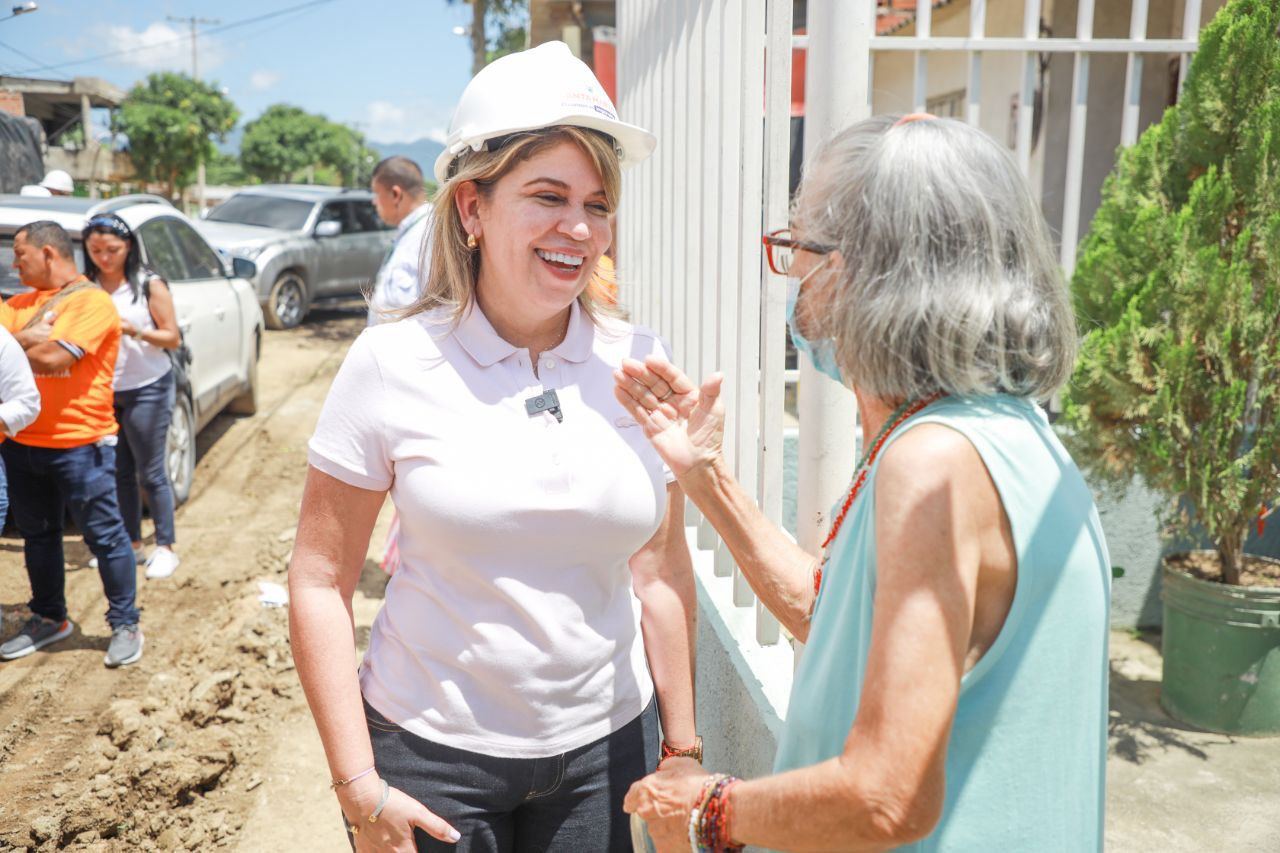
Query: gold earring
[472, 242]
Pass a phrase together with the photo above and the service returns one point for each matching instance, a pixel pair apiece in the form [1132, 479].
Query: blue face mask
[821, 354]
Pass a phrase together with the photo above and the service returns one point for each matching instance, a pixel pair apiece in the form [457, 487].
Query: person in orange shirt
[65, 460]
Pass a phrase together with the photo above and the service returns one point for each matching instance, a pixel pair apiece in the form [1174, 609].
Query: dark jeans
[570, 802]
[144, 414]
[43, 483]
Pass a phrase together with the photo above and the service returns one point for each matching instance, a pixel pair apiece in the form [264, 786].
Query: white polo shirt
[511, 627]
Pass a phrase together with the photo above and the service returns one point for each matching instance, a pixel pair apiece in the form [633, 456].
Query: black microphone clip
[547, 402]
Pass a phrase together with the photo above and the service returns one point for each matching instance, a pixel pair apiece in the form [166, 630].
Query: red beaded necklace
[895, 420]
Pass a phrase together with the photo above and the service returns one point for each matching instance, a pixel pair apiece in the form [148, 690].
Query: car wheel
[287, 304]
[247, 402]
[180, 449]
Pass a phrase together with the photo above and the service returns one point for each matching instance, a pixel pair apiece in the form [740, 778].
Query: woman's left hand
[665, 798]
[127, 328]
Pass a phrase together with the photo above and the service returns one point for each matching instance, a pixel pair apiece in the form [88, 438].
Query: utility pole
[193, 22]
[357, 140]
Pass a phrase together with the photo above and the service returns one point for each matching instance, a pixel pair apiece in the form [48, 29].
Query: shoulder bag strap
[57, 300]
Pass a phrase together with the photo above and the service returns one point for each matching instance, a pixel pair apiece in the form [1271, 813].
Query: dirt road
[206, 742]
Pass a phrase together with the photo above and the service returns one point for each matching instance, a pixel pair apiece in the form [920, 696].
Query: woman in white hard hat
[545, 595]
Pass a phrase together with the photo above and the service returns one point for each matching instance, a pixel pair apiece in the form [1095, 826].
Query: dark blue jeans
[44, 483]
[569, 802]
[144, 414]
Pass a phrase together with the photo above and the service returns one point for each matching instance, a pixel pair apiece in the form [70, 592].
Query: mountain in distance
[422, 151]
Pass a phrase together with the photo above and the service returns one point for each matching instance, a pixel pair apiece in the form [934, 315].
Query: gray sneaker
[37, 633]
[126, 646]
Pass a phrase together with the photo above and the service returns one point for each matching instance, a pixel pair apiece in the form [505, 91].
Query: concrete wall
[743, 687]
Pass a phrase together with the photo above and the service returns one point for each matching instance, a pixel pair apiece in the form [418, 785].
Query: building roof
[893, 15]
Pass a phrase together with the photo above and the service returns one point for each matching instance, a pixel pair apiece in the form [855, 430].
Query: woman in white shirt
[545, 596]
[144, 382]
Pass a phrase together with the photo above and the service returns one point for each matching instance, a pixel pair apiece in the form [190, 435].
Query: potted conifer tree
[1178, 382]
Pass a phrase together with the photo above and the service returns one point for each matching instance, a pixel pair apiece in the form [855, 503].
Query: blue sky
[392, 66]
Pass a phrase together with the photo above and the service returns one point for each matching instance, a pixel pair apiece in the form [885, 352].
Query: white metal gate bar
[1030, 45]
[1075, 140]
[694, 72]
[889, 44]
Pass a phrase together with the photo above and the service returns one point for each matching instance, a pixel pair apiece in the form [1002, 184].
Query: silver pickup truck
[310, 243]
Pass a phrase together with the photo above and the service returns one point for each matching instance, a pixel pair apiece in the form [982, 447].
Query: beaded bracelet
[712, 827]
[695, 815]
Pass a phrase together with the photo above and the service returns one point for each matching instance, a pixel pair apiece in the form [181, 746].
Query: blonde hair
[454, 267]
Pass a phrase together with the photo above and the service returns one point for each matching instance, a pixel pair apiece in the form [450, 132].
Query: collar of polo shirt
[487, 347]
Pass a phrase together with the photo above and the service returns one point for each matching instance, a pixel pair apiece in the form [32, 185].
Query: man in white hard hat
[58, 182]
[400, 197]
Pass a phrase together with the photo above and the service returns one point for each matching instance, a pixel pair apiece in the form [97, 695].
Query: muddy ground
[206, 742]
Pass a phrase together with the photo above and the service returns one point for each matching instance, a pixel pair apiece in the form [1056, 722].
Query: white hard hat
[541, 87]
[34, 190]
[58, 181]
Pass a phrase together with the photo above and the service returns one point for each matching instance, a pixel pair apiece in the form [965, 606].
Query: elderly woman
[545, 592]
[952, 691]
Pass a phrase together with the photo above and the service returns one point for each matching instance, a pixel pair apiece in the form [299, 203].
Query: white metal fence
[712, 79]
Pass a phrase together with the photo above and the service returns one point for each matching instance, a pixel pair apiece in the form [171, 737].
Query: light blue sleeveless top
[1026, 761]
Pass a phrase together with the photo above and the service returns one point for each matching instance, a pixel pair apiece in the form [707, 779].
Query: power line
[25, 56]
[222, 29]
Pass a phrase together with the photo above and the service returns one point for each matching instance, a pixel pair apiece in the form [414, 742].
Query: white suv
[216, 305]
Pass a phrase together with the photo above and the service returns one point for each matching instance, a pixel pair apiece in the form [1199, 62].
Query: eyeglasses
[109, 223]
[781, 249]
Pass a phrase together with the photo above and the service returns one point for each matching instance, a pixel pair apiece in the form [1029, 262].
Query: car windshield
[264, 211]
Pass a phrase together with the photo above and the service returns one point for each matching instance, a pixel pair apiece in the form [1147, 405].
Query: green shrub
[1178, 295]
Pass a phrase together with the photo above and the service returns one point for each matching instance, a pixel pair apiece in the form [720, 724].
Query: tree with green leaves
[1178, 293]
[498, 27]
[346, 152]
[171, 121]
[286, 140]
[282, 142]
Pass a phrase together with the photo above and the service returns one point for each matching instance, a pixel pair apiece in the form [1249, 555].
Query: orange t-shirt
[77, 406]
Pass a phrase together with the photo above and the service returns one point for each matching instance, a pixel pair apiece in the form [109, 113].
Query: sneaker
[139, 557]
[163, 563]
[37, 633]
[126, 646]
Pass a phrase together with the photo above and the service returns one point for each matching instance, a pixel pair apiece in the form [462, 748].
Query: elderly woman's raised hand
[685, 423]
[665, 798]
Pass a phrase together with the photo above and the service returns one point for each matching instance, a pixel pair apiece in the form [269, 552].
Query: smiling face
[107, 251]
[542, 227]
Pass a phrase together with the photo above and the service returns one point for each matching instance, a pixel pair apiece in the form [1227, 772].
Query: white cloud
[388, 122]
[263, 80]
[159, 46]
